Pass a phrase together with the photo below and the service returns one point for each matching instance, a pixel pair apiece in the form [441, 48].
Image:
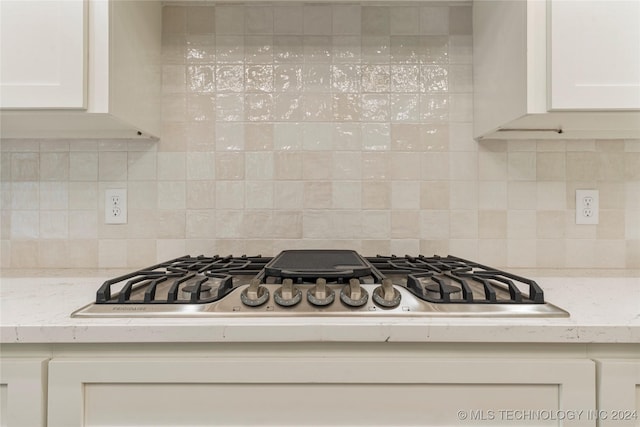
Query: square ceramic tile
[434, 195]
[317, 107]
[230, 107]
[376, 49]
[198, 108]
[54, 195]
[405, 195]
[346, 195]
[346, 107]
[317, 19]
[434, 20]
[201, 78]
[83, 195]
[230, 49]
[347, 137]
[287, 49]
[346, 19]
[317, 136]
[259, 195]
[376, 195]
[375, 108]
[258, 49]
[229, 195]
[171, 195]
[54, 224]
[318, 194]
[316, 77]
[25, 225]
[259, 165]
[405, 78]
[317, 49]
[174, 19]
[347, 165]
[229, 19]
[376, 137]
[316, 165]
[346, 78]
[492, 195]
[460, 20]
[288, 19]
[375, 20]
[288, 107]
[83, 224]
[288, 136]
[112, 166]
[259, 20]
[346, 49]
[404, 107]
[404, 20]
[288, 194]
[405, 166]
[405, 224]
[54, 166]
[436, 137]
[288, 78]
[200, 20]
[407, 50]
[376, 225]
[492, 224]
[375, 78]
[259, 78]
[434, 224]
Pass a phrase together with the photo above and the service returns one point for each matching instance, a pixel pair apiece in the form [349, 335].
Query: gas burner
[197, 293]
[319, 283]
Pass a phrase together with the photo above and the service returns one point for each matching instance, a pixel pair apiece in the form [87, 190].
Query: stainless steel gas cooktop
[319, 283]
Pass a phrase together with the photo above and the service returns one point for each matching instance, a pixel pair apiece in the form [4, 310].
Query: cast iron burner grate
[456, 280]
[184, 280]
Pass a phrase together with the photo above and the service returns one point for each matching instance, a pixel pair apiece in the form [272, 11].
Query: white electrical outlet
[587, 206]
[115, 206]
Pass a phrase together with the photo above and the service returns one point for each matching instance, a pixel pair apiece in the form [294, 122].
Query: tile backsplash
[320, 125]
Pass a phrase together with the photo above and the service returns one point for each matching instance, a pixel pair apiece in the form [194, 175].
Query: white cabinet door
[618, 392]
[336, 390]
[23, 383]
[43, 54]
[595, 54]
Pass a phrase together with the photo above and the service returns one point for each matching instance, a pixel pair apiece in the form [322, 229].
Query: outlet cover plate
[587, 207]
[115, 206]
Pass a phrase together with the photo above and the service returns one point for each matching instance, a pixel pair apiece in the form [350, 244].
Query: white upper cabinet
[556, 69]
[80, 69]
[595, 55]
[44, 68]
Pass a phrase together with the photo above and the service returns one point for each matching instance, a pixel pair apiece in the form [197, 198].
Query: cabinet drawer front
[329, 391]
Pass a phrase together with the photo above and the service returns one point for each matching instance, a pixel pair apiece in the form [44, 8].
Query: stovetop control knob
[386, 295]
[320, 294]
[287, 295]
[353, 294]
[255, 294]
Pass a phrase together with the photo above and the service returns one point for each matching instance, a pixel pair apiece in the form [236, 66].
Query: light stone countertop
[37, 310]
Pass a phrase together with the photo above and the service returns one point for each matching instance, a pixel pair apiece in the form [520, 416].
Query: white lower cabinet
[337, 390]
[618, 392]
[23, 392]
